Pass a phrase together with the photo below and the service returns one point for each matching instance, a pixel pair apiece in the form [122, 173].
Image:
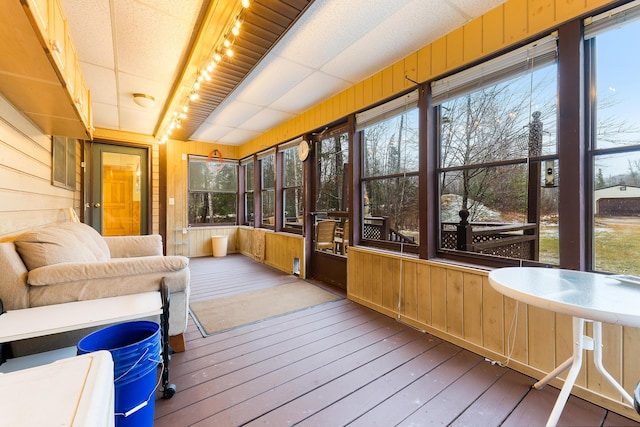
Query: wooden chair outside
[341, 241]
[325, 235]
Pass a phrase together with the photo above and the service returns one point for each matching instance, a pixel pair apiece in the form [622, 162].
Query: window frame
[289, 148]
[247, 188]
[226, 162]
[500, 68]
[267, 154]
[594, 26]
[63, 162]
[383, 112]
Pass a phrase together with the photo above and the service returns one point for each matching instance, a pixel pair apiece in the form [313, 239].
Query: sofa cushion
[51, 245]
[60, 243]
[89, 238]
[134, 246]
[115, 269]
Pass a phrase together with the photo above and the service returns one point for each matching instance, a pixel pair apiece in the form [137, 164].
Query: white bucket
[219, 245]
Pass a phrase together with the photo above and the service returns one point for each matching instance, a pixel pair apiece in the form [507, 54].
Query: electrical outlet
[172, 201]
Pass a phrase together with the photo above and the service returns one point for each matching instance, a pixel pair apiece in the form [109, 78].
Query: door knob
[96, 205]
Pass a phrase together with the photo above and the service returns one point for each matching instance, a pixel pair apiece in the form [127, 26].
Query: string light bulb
[204, 74]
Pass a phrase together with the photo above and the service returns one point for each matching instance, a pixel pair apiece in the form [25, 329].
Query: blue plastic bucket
[135, 349]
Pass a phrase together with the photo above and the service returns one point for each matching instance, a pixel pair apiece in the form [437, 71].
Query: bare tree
[483, 128]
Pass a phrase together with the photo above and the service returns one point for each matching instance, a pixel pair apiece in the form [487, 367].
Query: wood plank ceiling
[263, 24]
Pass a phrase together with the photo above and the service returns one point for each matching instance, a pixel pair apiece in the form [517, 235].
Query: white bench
[52, 319]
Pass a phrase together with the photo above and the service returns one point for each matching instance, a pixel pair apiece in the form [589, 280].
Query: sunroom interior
[510, 140]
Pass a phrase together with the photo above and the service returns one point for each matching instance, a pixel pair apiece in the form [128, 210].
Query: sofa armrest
[114, 269]
[13, 278]
[134, 246]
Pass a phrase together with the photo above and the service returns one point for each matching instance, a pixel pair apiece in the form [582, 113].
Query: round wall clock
[303, 150]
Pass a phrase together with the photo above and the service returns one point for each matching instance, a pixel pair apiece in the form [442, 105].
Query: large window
[390, 172]
[498, 169]
[615, 142]
[292, 189]
[213, 187]
[268, 188]
[249, 184]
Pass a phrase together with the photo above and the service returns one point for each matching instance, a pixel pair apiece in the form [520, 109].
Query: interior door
[117, 201]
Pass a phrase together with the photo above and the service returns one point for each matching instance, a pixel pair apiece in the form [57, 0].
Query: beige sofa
[70, 261]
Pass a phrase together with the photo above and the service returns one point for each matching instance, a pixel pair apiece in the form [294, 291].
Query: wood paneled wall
[280, 249]
[177, 191]
[458, 304]
[200, 240]
[27, 198]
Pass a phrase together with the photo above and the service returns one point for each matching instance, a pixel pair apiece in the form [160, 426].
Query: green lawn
[617, 245]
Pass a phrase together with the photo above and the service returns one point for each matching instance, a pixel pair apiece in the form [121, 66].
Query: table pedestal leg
[575, 361]
[580, 342]
[597, 360]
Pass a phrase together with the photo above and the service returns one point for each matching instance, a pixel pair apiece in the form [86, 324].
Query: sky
[618, 83]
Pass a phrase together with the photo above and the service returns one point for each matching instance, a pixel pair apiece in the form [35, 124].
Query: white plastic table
[584, 296]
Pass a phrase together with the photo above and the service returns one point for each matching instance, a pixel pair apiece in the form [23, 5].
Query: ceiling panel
[93, 38]
[103, 80]
[272, 82]
[316, 87]
[155, 47]
[331, 26]
[108, 113]
[264, 119]
[236, 114]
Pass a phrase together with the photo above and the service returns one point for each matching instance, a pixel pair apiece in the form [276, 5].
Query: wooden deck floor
[342, 364]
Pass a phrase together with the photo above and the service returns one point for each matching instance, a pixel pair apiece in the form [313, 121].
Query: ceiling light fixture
[144, 100]
[204, 74]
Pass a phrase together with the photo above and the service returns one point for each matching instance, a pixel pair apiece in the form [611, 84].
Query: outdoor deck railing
[502, 239]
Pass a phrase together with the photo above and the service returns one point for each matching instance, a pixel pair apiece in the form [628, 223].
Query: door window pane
[121, 194]
[292, 192]
[332, 157]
